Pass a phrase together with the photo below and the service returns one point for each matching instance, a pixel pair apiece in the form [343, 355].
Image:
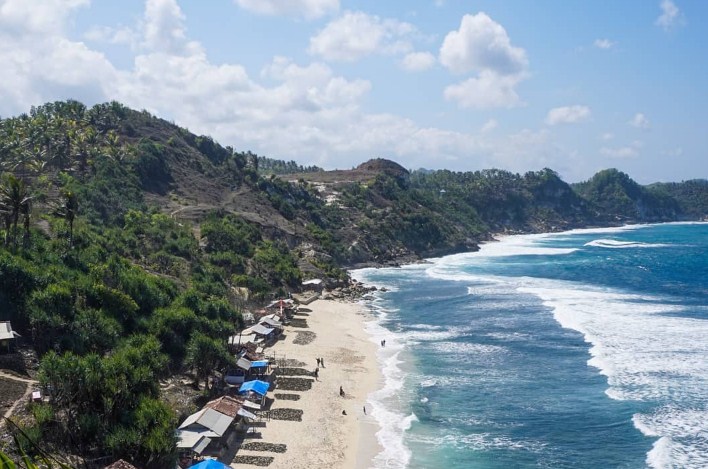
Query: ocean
[583, 349]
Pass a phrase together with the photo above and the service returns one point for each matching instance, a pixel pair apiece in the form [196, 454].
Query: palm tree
[14, 201]
[68, 209]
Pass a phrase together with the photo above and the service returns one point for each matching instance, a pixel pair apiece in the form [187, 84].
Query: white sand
[325, 438]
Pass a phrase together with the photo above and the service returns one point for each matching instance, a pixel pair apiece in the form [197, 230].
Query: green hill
[130, 247]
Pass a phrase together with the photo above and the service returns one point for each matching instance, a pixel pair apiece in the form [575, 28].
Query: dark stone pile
[300, 323]
[270, 447]
[287, 397]
[294, 415]
[294, 372]
[291, 362]
[262, 461]
[294, 384]
[304, 337]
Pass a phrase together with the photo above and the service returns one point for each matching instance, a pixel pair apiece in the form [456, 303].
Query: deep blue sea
[584, 349]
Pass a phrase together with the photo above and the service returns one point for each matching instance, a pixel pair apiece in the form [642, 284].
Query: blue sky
[576, 86]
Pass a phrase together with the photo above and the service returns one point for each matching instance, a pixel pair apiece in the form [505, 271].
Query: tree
[14, 201]
[68, 209]
[205, 354]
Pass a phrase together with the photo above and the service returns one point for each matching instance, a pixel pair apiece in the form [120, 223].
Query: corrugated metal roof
[261, 329]
[211, 419]
[6, 331]
[243, 364]
[226, 405]
[194, 440]
[271, 322]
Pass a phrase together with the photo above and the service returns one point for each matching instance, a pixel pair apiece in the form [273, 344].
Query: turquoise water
[586, 349]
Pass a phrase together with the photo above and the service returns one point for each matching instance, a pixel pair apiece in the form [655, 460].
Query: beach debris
[294, 415]
[287, 397]
[261, 461]
[304, 337]
[295, 384]
[269, 447]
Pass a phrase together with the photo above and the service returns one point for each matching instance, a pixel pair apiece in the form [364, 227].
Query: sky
[575, 86]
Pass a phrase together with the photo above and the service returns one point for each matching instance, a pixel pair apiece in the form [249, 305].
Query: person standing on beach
[364, 410]
[317, 373]
[318, 362]
[322, 362]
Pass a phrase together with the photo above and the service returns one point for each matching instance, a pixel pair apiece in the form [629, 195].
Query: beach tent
[257, 386]
[209, 464]
[259, 364]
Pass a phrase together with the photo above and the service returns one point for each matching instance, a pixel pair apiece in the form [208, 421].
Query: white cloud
[627, 151]
[418, 61]
[639, 121]
[607, 136]
[674, 152]
[121, 35]
[620, 152]
[479, 45]
[486, 91]
[488, 126]
[305, 8]
[670, 15]
[604, 44]
[47, 17]
[567, 115]
[305, 112]
[356, 34]
[39, 63]
[164, 27]
[482, 46]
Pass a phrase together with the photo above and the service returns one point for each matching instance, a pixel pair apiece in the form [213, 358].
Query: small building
[7, 335]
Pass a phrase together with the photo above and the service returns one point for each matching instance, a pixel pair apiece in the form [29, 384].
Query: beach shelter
[214, 421]
[210, 464]
[257, 386]
[195, 441]
[7, 335]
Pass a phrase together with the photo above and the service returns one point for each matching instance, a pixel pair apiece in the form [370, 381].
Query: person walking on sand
[341, 391]
[318, 362]
[322, 362]
[317, 374]
[364, 410]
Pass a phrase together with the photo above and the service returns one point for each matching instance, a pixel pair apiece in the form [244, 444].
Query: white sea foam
[617, 244]
[646, 355]
[480, 442]
[660, 455]
[385, 404]
[460, 349]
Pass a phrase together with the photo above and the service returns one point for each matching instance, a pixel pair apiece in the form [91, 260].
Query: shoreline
[325, 437]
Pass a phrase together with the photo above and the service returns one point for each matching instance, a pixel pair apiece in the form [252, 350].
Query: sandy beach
[325, 438]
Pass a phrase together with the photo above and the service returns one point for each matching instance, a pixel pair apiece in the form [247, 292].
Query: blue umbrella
[210, 464]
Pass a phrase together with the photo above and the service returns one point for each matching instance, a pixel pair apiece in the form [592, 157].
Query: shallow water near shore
[582, 349]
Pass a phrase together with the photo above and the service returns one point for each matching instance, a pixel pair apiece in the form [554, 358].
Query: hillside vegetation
[130, 247]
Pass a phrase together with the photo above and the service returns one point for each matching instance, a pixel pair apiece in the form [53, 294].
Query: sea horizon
[536, 351]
